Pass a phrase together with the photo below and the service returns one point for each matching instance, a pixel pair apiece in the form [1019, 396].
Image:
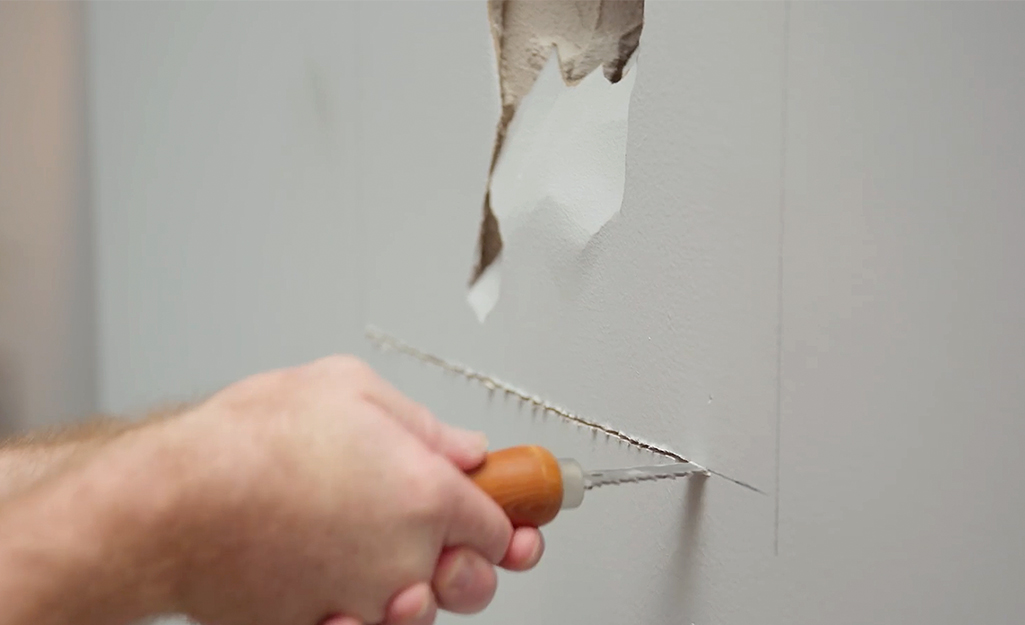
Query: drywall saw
[532, 485]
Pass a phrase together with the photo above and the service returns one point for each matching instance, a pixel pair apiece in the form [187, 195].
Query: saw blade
[609, 477]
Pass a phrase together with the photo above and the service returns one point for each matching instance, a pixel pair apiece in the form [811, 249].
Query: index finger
[464, 448]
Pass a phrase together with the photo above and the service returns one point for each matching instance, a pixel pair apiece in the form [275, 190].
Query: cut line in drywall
[560, 142]
[387, 342]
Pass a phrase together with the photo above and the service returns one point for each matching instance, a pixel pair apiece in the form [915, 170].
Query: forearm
[27, 459]
[85, 545]
[20, 469]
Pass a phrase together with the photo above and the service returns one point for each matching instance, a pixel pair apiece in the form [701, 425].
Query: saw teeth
[645, 478]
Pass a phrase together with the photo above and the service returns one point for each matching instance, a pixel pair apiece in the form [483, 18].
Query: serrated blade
[608, 477]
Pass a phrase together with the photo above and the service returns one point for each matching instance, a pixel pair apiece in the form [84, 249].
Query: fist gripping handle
[530, 484]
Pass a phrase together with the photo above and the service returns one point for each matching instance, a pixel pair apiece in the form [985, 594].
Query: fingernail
[462, 575]
[425, 607]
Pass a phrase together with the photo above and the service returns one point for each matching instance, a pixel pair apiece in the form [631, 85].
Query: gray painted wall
[228, 235]
[814, 285]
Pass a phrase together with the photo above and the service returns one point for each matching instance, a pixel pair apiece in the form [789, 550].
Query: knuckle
[427, 494]
[430, 428]
[353, 367]
[341, 362]
[254, 390]
[344, 367]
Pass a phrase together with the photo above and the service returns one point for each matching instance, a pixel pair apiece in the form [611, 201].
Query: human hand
[322, 493]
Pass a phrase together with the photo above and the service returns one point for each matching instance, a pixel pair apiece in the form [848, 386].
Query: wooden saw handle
[525, 481]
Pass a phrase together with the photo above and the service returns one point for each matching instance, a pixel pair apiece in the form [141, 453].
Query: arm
[290, 497]
[82, 544]
[51, 484]
[27, 459]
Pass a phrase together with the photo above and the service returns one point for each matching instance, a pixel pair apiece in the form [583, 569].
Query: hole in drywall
[584, 34]
[489, 244]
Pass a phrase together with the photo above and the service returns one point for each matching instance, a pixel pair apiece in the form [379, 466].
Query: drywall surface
[227, 230]
[813, 283]
[871, 150]
[47, 357]
[903, 303]
[666, 328]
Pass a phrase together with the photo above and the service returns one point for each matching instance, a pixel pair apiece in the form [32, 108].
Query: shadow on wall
[683, 588]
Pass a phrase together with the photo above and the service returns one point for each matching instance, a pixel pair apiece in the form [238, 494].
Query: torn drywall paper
[484, 293]
[589, 39]
[564, 155]
[565, 152]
